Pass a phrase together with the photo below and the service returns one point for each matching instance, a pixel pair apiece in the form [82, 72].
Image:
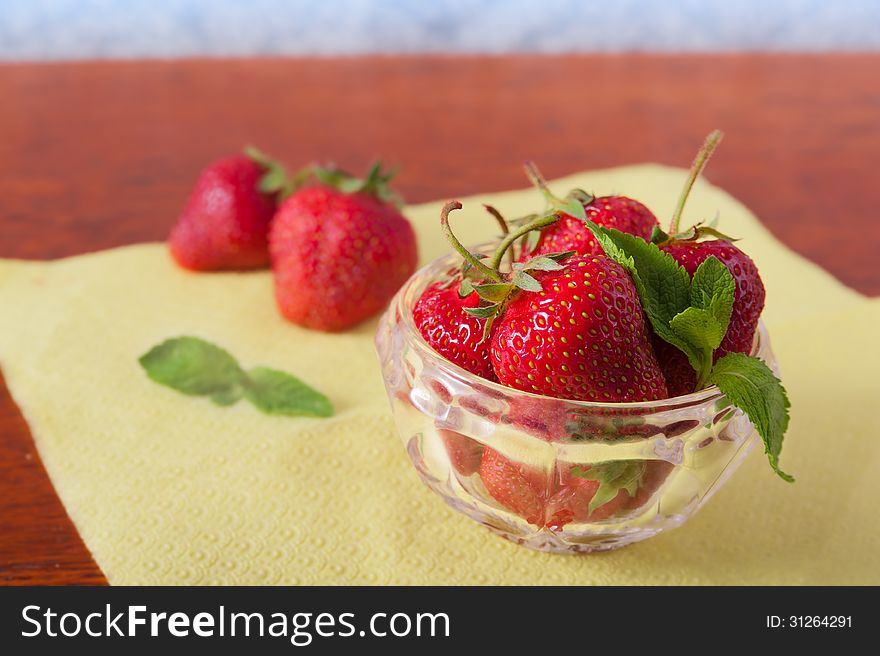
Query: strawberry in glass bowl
[582, 400]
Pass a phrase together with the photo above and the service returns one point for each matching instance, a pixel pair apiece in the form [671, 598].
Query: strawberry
[690, 252]
[553, 499]
[656, 473]
[520, 488]
[465, 454]
[456, 335]
[225, 222]
[571, 234]
[583, 337]
[573, 502]
[340, 250]
[747, 306]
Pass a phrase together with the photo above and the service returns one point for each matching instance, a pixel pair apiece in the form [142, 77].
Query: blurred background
[93, 29]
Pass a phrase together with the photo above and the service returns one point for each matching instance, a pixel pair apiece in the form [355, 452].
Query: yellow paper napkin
[171, 489]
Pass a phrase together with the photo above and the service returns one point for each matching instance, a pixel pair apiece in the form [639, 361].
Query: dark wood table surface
[95, 155]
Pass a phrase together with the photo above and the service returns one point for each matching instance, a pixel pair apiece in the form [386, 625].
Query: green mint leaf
[713, 288]
[750, 385]
[612, 250]
[193, 366]
[699, 328]
[198, 368]
[613, 476]
[274, 392]
[663, 285]
[228, 396]
[494, 292]
[524, 281]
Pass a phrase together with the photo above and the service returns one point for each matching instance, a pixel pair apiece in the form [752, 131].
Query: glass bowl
[519, 463]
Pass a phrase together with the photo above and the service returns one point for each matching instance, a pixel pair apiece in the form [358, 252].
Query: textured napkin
[168, 489]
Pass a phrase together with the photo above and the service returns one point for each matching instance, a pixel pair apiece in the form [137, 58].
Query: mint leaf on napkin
[277, 393]
[193, 366]
[196, 367]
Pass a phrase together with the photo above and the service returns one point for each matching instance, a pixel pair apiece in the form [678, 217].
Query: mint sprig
[195, 367]
[693, 315]
[750, 385]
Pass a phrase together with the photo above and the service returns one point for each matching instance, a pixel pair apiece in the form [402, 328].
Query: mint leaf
[228, 396]
[750, 385]
[193, 366]
[713, 288]
[274, 392]
[662, 283]
[699, 328]
[613, 476]
[198, 368]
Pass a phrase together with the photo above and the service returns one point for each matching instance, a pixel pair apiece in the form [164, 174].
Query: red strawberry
[656, 473]
[747, 306]
[225, 222]
[519, 488]
[572, 502]
[340, 250]
[456, 335]
[546, 499]
[690, 253]
[570, 233]
[465, 453]
[582, 337]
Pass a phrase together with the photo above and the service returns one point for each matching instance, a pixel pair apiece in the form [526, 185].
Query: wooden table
[95, 155]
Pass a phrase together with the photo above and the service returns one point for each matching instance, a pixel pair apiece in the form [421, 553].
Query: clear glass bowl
[461, 431]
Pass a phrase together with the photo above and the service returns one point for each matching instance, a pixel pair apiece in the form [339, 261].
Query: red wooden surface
[95, 155]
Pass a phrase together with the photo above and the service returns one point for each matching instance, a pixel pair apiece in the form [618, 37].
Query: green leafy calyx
[275, 179]
[376, 183]
[612, 476]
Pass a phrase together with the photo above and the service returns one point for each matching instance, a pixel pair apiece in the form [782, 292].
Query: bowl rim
[447, 261]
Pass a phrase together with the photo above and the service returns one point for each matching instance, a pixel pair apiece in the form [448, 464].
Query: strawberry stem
[505, 230]
[457, 245]
[539, 181]
[536, 224]
[697, 167]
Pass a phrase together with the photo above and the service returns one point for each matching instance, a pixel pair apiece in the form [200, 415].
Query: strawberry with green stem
[566, 326]
[225, 223]
[690, 249]
[693, 313]
[340, 249]
[570, 233]
[441, 316]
